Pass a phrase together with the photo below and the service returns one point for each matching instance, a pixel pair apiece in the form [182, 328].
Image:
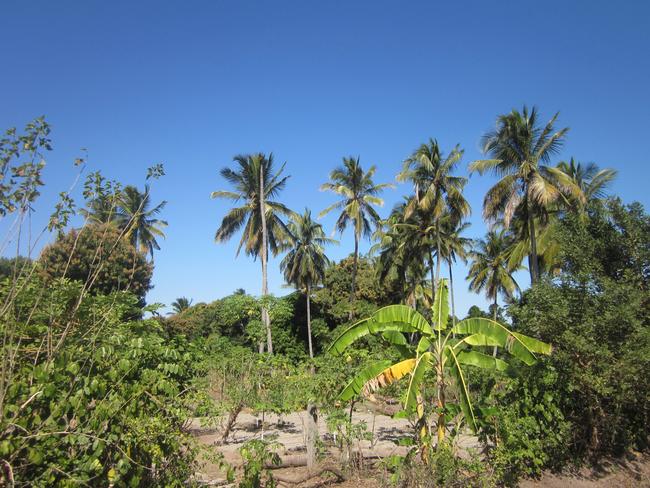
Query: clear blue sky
[190, 84]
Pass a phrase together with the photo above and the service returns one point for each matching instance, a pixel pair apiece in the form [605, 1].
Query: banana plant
[442, 354]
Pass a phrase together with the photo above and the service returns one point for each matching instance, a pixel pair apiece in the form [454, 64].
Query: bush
[100, 256]
[89, 398]
[597, 315]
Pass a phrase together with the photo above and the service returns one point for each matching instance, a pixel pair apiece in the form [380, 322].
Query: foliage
[138, 220]
[445, 470]
[598, 311]
[445, 352]
[181, 304]
[15, 267]
[21, 164]
[332, 298]
[90, 399]
[100, 256]
[256, 454]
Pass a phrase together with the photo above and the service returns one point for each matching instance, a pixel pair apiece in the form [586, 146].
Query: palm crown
[528, 187]
[247, 183]
[139, 220]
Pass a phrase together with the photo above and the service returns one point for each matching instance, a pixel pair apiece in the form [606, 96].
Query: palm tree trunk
[311, 350]
[534, 261]
[354, 274]
[266, 319]
[494, 317]
[434, 287]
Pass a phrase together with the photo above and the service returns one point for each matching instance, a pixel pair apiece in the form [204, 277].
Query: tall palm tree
[180, 304]
[588, 177]
[454, 246]
[490, 271]
[138, 219]
[305, 263]
[438, 193]
[359, 197]
[256, 184]
[522, 149]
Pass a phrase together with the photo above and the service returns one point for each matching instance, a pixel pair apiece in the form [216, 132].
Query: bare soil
[288, 432]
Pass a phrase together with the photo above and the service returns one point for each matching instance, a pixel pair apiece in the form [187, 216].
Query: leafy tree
[332, 297]
[436, 350]
[99, 256]
[359, 197]
[597, 312]
[438, 194]
[304, 265]
[15, 267]
[138, 220]
[181, 304]
[528, 187]
[256, 184]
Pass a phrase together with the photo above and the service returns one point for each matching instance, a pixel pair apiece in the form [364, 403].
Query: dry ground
[633, 472]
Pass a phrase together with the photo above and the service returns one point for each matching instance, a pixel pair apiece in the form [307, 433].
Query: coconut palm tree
[135, 216]
[588, 177]
[454, 246]
[490, 271]
[359, 197]
[521, 150]
[305, 263]
[438, 193]
[402, 256]
[101, 209]
[256, 185]
[181, 303]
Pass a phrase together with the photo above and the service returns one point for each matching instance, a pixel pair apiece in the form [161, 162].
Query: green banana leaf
[400, 318]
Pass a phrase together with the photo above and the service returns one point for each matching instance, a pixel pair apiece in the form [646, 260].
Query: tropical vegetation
[100, 388]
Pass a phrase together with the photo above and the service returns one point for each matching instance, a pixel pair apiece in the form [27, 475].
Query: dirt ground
[288, 431]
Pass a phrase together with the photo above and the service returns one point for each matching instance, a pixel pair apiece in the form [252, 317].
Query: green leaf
[480, 360]
[441, 306]
[398, 318]
[463, 389]
[520, 346]
[421, 367]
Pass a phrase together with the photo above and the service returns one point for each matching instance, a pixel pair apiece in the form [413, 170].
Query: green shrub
[89, 398]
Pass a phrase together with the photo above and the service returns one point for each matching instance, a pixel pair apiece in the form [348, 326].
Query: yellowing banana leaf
[389, 376]
[355, 386]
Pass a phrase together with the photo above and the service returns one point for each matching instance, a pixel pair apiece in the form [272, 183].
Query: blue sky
[191, 84]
